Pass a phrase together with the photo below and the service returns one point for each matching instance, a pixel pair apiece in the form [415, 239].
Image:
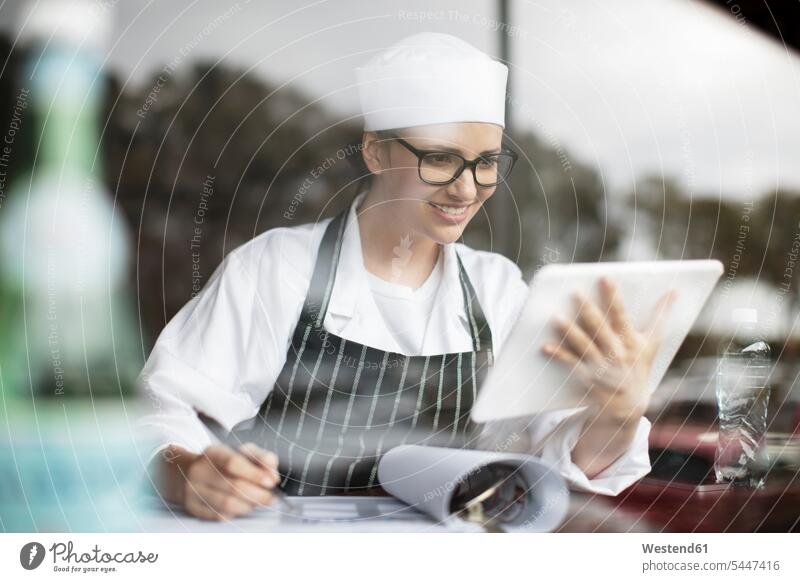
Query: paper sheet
[316, 514]
[427, 477]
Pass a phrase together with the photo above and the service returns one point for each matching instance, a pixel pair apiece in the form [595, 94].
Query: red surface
[684, 507]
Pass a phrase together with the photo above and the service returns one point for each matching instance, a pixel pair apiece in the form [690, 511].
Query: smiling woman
[421, 186]
[329, 344]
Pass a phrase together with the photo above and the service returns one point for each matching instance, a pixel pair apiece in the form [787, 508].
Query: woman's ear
[374, 152]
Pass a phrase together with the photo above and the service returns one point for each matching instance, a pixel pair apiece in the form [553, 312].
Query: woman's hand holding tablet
[612, 360]
[618, 337]
[611, 357]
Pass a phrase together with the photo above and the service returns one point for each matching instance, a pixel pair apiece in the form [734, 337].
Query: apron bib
[338, 405]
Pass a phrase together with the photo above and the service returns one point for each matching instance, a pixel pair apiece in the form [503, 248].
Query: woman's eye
[439, 158]
[487, 162]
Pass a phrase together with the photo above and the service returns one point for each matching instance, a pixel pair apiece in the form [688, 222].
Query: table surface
[315, 514]
[586, 513]
[650, 505]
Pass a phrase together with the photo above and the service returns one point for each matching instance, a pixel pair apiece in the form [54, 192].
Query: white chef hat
[429, 78]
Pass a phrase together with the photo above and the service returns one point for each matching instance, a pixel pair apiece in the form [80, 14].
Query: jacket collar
[351, 277]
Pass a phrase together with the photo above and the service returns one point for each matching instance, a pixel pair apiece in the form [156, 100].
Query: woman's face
[437, 212]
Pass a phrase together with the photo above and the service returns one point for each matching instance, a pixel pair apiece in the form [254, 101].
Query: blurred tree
[777, 226]
[755, 235]
[222, 153]
[680, 226]
[753, 239]
[564, 213]
[23, 146]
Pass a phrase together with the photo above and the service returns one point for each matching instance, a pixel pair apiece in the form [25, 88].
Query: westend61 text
[675, 549]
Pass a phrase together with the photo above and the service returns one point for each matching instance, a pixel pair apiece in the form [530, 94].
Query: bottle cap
[79, 23]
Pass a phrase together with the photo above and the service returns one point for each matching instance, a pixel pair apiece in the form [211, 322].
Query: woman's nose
[464, 187]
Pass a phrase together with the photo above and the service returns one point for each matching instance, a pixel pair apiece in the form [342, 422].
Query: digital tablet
[525, 381]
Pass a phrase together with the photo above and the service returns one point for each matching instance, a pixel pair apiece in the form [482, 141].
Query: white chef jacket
[222, 352]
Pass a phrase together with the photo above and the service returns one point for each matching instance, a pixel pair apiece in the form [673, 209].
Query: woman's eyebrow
[442, 148]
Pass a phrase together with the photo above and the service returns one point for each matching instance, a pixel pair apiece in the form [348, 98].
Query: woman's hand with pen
[222, 482]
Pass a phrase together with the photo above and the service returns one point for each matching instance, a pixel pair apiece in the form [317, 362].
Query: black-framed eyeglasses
[440, 167]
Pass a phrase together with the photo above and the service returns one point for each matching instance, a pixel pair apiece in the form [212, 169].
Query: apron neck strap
[319, 293]
[481, 333]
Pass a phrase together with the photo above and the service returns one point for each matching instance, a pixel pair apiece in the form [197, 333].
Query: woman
[330, 343]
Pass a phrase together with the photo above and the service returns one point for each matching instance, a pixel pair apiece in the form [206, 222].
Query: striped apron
[337, 405]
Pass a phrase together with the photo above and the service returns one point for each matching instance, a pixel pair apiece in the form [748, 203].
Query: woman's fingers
[614, 307]
[198, 507]
[266, 459]
[579, 342]
[562, 354]
[619, 375]
[243, 490]
[566, 356]
[594, 322]
[205, 501]
[235, 464]
[225, 483]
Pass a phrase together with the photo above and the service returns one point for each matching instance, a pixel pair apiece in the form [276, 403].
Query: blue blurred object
[71, 467]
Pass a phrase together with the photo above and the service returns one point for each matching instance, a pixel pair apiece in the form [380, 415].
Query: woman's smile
[452, 213]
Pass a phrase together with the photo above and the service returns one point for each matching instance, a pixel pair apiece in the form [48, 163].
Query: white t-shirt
[407, 312]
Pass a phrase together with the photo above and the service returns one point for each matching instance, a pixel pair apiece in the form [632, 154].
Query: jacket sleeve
[205, 360]
[553, 434]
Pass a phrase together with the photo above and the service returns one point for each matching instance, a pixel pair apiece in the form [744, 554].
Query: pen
[219, 431]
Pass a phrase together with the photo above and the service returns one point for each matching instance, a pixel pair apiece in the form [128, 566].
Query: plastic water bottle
[742, 398]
